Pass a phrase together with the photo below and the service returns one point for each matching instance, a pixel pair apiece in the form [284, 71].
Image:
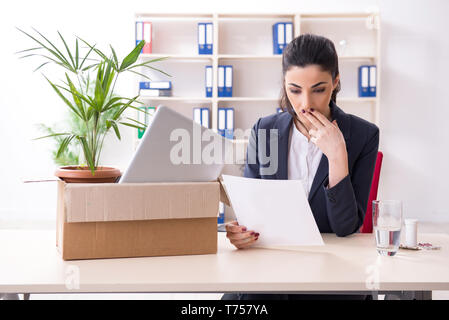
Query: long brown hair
[309, 49]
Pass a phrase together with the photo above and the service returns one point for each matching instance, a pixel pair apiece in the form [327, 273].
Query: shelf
[357, 57]
[249, 56]
[354, 15]
[357, 99]
[184, 99]
[249, 99]
[176, 56]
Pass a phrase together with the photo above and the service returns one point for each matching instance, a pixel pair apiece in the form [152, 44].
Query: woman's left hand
[326, 135]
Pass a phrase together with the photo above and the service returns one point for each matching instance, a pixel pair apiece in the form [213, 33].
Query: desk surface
[29, 262]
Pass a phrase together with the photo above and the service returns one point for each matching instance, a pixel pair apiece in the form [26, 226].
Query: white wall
[414, 133]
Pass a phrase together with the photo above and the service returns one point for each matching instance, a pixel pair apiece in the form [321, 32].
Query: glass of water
[387, 222]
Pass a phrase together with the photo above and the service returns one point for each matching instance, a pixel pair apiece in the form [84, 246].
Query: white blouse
[303, 159]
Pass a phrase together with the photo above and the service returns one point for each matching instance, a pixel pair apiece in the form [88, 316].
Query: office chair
[367, 226]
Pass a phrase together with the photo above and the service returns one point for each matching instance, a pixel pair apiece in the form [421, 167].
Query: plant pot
[76, 174]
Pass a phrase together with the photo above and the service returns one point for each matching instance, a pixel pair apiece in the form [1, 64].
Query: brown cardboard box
[112, 220]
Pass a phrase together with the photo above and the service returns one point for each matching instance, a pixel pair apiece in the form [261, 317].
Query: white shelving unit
[245, 41]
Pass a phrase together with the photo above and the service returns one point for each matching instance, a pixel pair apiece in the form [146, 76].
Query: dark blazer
[340, 209]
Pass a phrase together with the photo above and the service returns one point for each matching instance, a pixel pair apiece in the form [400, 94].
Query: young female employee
[333, 152]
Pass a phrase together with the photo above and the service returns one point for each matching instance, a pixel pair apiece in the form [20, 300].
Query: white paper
[277, 209]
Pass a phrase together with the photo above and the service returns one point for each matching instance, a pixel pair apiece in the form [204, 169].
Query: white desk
[30, 263]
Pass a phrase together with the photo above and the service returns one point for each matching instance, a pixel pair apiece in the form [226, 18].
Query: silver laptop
[175, 148]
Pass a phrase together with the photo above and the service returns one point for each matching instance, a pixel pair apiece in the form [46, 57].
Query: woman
[333, 152]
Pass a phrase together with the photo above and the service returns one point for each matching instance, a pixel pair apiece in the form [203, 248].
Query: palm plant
[88, 91]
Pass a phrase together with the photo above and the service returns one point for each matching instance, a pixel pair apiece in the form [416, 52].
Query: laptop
[175, 148]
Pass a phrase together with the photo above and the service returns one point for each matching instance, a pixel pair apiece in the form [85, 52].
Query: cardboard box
[112, 220]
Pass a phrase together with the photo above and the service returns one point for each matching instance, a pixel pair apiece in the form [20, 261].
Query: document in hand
[277, 209]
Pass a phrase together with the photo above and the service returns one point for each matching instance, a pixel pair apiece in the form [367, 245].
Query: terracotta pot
[75, 174]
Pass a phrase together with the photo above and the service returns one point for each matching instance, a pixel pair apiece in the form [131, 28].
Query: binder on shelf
[221, 121]
[145, 117]
[147, 30]
[209, 38]
[205, 38]
[205, 117]
[163, 85]
[201, 116]
[209, 81]
[228, 81]
[221, 81]
[221, 213]
[155, 93]
[229, 131]
[372, 81]
[197, 115]
[139, 33]
[201, 38]
[282, 35]
[363, 81]
[141, 117]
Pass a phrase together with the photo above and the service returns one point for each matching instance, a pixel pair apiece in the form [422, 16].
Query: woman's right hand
[239, 236]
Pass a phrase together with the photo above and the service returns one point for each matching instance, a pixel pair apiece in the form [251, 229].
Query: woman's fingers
[233, 226]
[314, 120]
[242, 244]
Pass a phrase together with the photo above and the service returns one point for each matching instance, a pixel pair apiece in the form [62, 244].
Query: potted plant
[88, 92]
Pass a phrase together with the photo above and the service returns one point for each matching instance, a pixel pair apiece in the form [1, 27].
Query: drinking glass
[387, 222]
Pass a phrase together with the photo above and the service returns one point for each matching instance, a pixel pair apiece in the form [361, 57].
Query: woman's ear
[337, 79]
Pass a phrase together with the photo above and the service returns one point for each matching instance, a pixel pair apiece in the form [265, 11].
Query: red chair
[367, 226]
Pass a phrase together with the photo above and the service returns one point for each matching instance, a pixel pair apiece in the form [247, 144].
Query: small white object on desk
[411, 232]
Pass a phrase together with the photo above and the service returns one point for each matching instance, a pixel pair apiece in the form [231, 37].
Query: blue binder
[201, 38]
[221, 121]
[372, 81]
[205, 38]
[197, 115]
[205, 117]
[221, 81]
[228, 81]
[282, 35]
[209, 81]
[161, 85]
[363, 80]
[139, 33]
[221, 213]
[229, 131]
[209, 38]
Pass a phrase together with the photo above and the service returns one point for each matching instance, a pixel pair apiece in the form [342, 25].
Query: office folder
[201, 38]
[205, 117]
[197, 115]
[147, 30]
[155, 93]
[228, 81]
[209, 38]
[209, 81]
[221, 81]
[145, 118]
[229, 132]
[282, 35]
[163, 85]
[372, 81]
[139, 32]
[288, 33]
[221, 213]
[363, 81]
[142, 118]
[221, 121]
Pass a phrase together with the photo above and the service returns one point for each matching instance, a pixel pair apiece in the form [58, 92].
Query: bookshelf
[245, 42]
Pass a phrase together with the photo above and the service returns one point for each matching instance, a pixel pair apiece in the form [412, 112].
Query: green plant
[93, 101]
